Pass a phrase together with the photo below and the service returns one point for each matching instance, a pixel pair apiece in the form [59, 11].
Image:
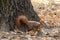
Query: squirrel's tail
[18, 22]
[21, 19]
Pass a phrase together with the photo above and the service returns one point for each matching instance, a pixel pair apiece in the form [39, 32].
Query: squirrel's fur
[32, 25]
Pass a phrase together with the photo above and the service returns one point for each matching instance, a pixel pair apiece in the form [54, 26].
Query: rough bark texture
[10, 9]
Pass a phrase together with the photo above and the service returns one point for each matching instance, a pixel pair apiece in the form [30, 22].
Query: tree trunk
[10, 9]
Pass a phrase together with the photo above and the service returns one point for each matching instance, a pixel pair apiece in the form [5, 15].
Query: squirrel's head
[33, 25]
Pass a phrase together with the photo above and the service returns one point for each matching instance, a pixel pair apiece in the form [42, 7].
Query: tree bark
[10, 9]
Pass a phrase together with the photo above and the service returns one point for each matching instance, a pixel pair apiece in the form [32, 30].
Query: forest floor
[47, 34]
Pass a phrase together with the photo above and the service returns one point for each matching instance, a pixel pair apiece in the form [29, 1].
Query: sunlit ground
[48, 11]
[45, 2]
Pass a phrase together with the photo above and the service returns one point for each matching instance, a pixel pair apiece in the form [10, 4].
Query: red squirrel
[32, 25]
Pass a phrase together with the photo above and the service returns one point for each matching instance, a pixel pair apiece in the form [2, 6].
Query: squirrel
[32, 25]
